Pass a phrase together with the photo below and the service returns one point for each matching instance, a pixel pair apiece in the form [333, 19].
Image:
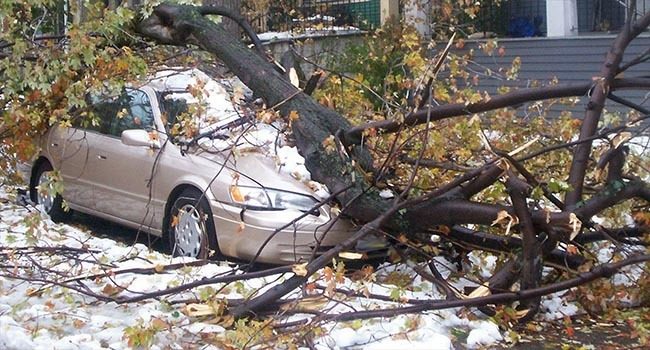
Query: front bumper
[297, 243]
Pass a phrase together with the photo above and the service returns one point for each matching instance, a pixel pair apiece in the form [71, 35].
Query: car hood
[256, 167]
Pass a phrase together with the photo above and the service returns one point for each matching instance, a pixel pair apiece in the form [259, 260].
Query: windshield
[194, 104]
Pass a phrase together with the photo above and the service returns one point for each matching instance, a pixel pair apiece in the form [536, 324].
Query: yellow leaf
[174, 221]
[159, 268]
[521, 313]
[300, 269]
[293, 116]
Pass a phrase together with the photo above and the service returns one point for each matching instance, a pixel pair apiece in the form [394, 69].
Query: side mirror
[139, 137]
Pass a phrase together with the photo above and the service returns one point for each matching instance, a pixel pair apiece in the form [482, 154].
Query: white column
[418, 14]
[561, 18]
[388, 9]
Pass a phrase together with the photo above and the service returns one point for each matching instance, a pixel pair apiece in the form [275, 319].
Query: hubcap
[45, 192]
[189, 231]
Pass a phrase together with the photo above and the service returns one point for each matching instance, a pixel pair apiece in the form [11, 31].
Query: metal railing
[523, 18]
[607, 15]
[292, 15]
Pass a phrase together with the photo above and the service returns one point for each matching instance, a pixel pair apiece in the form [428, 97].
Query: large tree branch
[513, 98]
[600, 271]
[531, 262]
[599, 93]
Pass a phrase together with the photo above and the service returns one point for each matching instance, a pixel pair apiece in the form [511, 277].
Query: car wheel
[42, 193]
[190, 227]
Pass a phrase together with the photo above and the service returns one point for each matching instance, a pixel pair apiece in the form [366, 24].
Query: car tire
[190, 226]
[52, 205]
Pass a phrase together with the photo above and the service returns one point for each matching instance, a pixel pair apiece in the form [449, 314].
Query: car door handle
[101, 156]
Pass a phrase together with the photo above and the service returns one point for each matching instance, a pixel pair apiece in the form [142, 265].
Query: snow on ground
[39, 314]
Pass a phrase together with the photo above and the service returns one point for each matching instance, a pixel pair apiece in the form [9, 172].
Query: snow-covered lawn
[35, 312]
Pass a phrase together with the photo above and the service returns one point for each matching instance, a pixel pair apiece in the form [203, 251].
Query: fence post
[388, 9]
[561, 18]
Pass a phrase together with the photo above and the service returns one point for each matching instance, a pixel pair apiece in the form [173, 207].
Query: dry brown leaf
[621, 138]
[110, 289]
[521, 313]
[350, 255]
[312, 303]
[504, 215]
[481, 291]
[198, 310]
[158, 323]
[576, 226]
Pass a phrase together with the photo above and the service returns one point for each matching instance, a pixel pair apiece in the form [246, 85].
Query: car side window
[138, 114]
[104, 113]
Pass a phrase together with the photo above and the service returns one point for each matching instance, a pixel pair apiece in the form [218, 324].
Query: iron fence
[286, 15]
[607, 15]
[519, 18]
[524, 18]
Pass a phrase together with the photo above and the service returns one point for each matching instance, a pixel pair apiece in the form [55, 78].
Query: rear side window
[131, 110]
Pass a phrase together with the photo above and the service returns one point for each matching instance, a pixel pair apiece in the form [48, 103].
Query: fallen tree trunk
[335, 156]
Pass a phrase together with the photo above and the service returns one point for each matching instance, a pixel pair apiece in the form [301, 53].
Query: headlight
[270, 199]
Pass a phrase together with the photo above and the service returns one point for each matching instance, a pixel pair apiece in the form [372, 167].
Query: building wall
[318, 49]
[571, 60]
